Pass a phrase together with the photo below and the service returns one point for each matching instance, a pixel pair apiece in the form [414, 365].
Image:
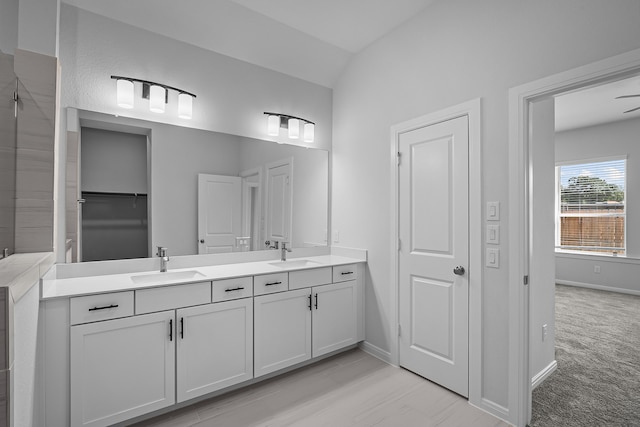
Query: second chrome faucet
[164, 258]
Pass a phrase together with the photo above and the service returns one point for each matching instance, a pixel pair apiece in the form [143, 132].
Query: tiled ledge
[20, 272]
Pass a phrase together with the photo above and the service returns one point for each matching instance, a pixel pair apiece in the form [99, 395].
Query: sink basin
[167, 276]
[295, 263]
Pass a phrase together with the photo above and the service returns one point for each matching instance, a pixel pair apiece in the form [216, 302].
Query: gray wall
[612, 139]
[455, 51]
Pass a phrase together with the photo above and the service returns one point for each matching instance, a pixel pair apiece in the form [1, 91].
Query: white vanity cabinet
[214, 347]
[122, 368]
[282, 332]
[294, 326]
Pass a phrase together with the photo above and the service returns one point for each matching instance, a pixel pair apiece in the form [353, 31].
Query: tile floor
[350, 389]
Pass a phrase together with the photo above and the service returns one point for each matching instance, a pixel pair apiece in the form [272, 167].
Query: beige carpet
[597, 382]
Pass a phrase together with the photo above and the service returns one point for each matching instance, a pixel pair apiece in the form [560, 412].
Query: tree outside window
[591, 214]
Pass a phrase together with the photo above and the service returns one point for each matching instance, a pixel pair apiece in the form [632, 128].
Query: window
[591, 206]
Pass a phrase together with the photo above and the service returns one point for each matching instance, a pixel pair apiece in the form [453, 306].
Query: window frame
[558, 213]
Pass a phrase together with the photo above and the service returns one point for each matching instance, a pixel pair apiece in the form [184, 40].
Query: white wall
[542, 274]
[456, 50]
[231, 95]
[612, 139]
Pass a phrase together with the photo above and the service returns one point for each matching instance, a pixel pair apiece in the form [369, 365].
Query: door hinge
[399, 244]
[399, 330]
[525, 280]
[399, 158]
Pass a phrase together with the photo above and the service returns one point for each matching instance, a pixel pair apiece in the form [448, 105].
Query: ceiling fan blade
[627, 96]
[633, 109]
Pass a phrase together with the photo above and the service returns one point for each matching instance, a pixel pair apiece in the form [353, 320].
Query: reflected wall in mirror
[175, 158]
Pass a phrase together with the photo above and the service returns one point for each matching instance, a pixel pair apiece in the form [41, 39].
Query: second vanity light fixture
[277, 120]
[156, 93]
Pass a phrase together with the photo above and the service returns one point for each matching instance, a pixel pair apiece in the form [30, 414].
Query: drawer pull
[316, 301]
[239, 288]
[309, 301]
[170, 329]
[103, 308]
[344, 273]
[273, 283]
[182, 327]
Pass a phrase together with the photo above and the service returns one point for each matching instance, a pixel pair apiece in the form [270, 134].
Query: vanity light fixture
[277, 120]
[156, 93]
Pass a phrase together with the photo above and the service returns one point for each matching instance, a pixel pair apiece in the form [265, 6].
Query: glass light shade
[273, 125]
[185, 106]
[156, 99]
[294, 128]
[309, 131]
[124, 93]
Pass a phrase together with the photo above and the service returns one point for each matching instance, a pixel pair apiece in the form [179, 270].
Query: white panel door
[122, 368]
[282, 330]
[215, 347]
[279, 203]
[219, 213]
[434, 234]
[335, 321]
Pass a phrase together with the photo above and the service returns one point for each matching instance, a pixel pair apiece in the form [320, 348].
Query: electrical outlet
[596, 269]
[544, 332]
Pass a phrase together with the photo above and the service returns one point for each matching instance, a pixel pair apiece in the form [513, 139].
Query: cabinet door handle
[103, 308]
[272, 283]
[239, 288]
[344, 273]
[182, 327]
[309, 301]
[170, 329]
[316, 301]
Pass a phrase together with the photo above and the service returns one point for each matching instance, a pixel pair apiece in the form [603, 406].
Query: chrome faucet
[164, 258]
[283, 251]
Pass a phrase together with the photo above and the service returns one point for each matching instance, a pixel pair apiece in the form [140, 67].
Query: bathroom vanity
[119, 346]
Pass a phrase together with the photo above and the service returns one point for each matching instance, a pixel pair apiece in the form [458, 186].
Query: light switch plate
[493, 234]
[492, 258]
[493, 211]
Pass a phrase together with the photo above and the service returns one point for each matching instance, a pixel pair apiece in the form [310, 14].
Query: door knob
[458, 270]
[201, 240]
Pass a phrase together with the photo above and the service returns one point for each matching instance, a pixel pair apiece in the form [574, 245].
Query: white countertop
[20, 272]
[76, 286]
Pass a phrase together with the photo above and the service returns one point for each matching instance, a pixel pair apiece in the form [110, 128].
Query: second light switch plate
[493, 234]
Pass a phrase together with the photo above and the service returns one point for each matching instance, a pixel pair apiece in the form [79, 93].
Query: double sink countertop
[54, 287]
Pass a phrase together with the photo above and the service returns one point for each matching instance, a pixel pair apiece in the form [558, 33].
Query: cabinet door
[122, 368]
[335, 314]
[282, 330]
[215, 347]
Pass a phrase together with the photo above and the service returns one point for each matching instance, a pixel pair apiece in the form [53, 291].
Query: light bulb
[309, 131]
[157, 96]
[294, 128]
[185, 106]
[124, 93]
[273, 125]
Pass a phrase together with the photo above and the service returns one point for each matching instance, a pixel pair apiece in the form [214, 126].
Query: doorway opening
[522, 205]
[113, 184]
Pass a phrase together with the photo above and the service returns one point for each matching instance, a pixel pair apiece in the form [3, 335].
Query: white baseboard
[376, 352]
[598, 287]
[491, 407]
[543, 374]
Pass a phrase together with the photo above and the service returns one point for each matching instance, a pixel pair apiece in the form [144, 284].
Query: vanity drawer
[270, 283]
[306, 278]
[342, 273]
[93, 308]
[228, 289]
[170, 297]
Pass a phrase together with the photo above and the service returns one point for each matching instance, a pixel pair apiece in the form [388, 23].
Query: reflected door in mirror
[219, 220]
[279, 203]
